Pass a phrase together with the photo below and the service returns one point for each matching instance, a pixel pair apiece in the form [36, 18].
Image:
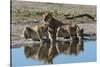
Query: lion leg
[79, 37]
[57, 32]
[80, 34]
[47, 36]
[70, 37]
[39, 36]
[69, 32]
[54, 38]
[50, 37]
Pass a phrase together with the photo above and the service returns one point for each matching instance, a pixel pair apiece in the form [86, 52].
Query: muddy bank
[23, 42]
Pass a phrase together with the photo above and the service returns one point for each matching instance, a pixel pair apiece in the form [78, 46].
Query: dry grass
[22, 9]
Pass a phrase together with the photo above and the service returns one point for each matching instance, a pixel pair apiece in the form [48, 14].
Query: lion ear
[45, 14]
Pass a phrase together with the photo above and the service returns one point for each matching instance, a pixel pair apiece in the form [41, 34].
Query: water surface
[54, 53]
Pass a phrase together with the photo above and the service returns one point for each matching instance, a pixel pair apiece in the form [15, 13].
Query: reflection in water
[48, 51]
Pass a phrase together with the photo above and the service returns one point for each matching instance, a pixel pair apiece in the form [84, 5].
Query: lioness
[72, 31]
[39, 29]
[53, 25]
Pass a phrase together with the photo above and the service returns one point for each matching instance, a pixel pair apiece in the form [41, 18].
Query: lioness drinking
[39, 29]
[53, 25]
[70, 31]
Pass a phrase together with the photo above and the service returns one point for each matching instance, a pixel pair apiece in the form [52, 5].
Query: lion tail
[22, 36]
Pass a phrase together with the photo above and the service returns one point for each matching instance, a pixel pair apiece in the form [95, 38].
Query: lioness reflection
[48, 51]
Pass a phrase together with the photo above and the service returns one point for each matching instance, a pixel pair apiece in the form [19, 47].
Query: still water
[54, 53]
